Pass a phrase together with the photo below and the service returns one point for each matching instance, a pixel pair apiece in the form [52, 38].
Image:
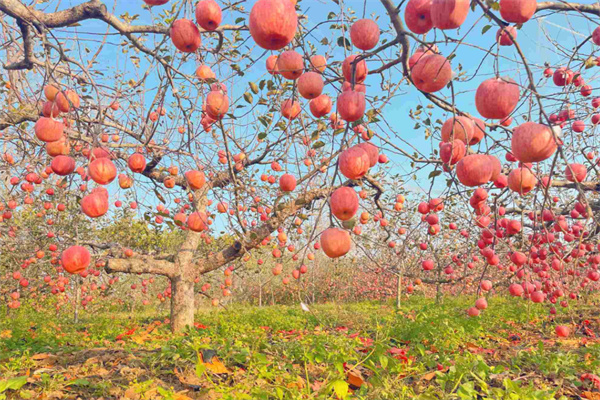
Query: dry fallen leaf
[130, 393]
[212, 363]
[590, 395]
[182, 396]
[187, 377]
[429, 376]
[355, 378]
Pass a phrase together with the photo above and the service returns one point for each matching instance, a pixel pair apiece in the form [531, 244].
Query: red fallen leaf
[200, 326]
[126, 333]
[396, 351]
[594, 379]
[514, 337]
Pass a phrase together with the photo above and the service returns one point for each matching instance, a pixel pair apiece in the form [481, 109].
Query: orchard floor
[355, 351]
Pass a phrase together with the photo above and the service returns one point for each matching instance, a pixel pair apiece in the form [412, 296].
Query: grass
[351, 351]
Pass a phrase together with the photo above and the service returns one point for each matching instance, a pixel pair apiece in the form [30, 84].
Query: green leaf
[485, 29]
[318, 145]
[248, 97]
[262, 135]
[13, 383]
[200, 369]
[79, 382]
[279, 393]
[349, 224]
[340, 388]
[383, 360]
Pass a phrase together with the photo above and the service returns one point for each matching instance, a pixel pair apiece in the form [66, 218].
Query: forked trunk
[182, 303]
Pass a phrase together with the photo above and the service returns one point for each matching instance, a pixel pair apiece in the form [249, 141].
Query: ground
[354, 351]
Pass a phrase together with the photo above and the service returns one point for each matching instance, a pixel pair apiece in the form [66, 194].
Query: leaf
[262, 135]
[349, 224]
[429, 376]
[212, 363]
[13, 383]
[485, 29]
[343, 42]
[383, 360]
[248, 97]
[279, 392]
[435, 173]
[590, 395]
[159, 196]
[318, 145]
[79, 382]
[340, 388]
[355, 379]
[253, 87]
[590, 62]
[200, 369]
[39, 357]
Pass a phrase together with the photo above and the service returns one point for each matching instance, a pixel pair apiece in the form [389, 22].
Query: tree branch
[560, 6]
[140, 264]
[255, 236]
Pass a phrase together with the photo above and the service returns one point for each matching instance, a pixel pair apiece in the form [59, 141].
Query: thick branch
[141, 265]
[591, 186]
[92, 9]
[586, 8]
[16, 117]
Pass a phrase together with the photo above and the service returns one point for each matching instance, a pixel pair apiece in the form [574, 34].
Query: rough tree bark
[182, 303]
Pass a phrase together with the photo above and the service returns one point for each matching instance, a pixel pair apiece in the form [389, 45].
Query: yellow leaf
[6, 334]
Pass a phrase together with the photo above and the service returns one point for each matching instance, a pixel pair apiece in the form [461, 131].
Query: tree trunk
[313, 271]
[77, 301]
[399, 291]
[272, 294]
[182, 303]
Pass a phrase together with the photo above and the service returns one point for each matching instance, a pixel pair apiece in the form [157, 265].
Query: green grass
[422, 351]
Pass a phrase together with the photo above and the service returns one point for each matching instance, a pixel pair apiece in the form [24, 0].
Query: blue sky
[532, 38]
